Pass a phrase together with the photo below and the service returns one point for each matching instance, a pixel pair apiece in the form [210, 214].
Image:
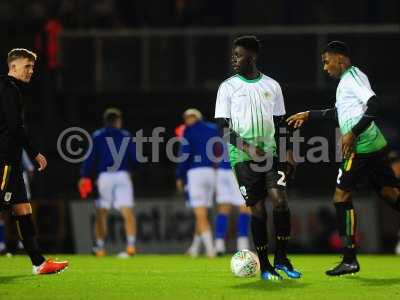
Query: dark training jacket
[13, 135]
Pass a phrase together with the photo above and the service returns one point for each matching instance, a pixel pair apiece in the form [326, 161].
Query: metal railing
[192, 58]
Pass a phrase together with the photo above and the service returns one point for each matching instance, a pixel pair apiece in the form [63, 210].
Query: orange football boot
[100, 252]
[50, 266]
[131, 250]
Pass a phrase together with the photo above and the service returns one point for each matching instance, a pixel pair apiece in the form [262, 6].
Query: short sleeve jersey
[250, 105]
[352, 95]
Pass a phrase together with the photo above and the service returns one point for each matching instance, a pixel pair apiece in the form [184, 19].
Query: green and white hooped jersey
[250, 105]
[352, 95]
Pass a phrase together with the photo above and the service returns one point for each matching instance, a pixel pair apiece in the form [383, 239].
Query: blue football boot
[270, 276]
[286, 266]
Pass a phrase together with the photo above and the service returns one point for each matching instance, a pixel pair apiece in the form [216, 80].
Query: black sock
[346, 222]
[27, 233]
[260, 238]
[282, 233]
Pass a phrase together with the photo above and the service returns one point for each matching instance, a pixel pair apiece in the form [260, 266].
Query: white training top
[352, 95]
[250, 105]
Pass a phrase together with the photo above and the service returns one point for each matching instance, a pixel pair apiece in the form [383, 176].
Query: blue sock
[221, 226]
[243, 224]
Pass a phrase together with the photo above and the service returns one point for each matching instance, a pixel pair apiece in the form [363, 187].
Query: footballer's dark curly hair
[249, 42]
[111, 115]
[337, 47]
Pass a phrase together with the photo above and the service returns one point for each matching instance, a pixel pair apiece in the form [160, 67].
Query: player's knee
[281, 204]
[201, 213]
[258, 210]
[341, 196]
[224, 209]
[126, 211]
[279, 200]
[389, 193]
[22, 209]
[244, 209]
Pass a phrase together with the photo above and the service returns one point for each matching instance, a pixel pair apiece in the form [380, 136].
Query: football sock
[221, 226]
[243, 225]
[130, 240]
[243, 231]
[20, 246]
[196, 241]
[27, 233]
[346, 223]
[207, 239]
[220, 246]
[282, 232]
[243, 243]
[260, 238]
[100, 243]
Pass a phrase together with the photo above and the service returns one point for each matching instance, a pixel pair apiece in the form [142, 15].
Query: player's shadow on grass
[265, 285]
[12, 279]
[375, 281]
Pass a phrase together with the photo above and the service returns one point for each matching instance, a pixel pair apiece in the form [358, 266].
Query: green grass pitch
[179, 277]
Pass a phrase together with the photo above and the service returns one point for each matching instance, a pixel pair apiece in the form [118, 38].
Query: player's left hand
[42, 161]
[348, 144]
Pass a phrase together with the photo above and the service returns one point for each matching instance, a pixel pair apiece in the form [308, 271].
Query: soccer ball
[245, 263]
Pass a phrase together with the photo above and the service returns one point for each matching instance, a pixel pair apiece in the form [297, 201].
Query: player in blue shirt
[113, 179]
[200, 170]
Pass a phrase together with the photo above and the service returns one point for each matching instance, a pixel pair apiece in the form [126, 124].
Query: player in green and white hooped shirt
[247, 106]
[363, 146]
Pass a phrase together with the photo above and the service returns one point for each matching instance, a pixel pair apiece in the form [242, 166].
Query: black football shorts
[255, 179]
[12, 186]
[373, 167]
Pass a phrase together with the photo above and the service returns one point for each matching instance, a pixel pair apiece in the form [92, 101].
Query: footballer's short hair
[20, 53]
[249, 42]
[337, 47]
[193, 112]
[111, 114]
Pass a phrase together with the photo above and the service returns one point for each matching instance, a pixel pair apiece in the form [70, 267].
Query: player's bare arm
[297, 120]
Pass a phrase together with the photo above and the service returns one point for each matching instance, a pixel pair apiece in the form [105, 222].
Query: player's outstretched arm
[297, 120]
